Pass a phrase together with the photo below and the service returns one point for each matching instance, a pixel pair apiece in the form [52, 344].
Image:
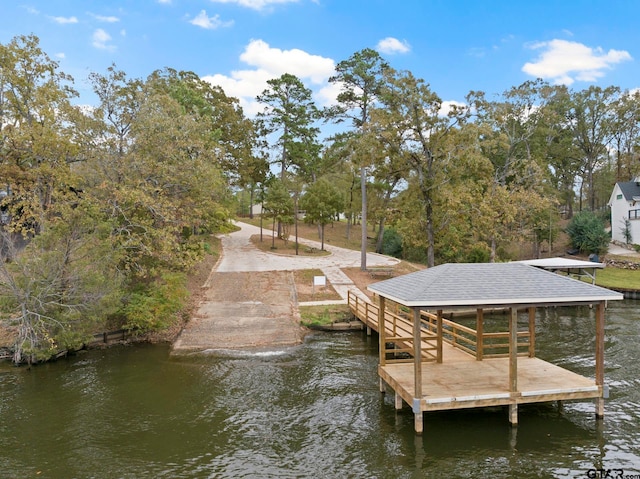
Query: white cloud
[101, 39]
[106, 19]
[448, 105]
[209, 23]
[64, 20]
[297, 62]
[60, 55]
[271, 63]
[256, 4]
[391, 46]
[564, 62]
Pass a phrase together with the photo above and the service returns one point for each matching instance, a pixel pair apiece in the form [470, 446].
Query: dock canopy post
[417, 370]
[381, 331]
[513, 365]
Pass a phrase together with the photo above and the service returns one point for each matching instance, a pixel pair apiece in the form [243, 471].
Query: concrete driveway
[250, 299]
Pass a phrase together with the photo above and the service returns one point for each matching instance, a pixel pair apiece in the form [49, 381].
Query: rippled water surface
[309, 411]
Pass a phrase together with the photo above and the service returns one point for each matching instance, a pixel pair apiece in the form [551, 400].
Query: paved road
[250, 300]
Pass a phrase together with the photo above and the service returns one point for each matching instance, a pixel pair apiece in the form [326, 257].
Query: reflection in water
[309, 411]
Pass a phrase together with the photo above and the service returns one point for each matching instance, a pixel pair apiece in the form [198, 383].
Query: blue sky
[456, 46]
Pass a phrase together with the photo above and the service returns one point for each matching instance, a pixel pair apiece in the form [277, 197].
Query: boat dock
[465, 367]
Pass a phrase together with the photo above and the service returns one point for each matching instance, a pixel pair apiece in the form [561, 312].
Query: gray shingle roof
[630, 189]
[488, 284]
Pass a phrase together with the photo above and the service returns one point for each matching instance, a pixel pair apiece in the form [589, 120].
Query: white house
[625, 205]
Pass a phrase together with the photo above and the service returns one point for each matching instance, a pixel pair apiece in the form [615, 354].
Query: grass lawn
[335, 234]
[324, 315]
[618, 278]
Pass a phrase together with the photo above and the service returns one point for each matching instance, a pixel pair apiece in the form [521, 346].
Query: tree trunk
[363, 238]
[492, 255]
[380, 237]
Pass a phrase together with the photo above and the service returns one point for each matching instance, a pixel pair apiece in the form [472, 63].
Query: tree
[626, 135]
[512, 142]
[321, 202]
[62, 284]
[232, 135]
[290, 115]
[591, 118]
[410, 122]
[279, 206]
[36, 145]
[587, 233]
[360, 78]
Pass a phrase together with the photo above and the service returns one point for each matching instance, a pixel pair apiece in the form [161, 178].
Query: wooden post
[417, 422]
[398, 401]
[417, 371]
[417, 354]
[382, 346]
[532, 332]
[439, 337]
[513, 364]
[600, 358]
[479, 334]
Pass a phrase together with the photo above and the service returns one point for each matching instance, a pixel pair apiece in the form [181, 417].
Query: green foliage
[154, 306]
[278, 203]
[626, 231]
[62, 284]
[478, 254]
[392, 243]
[587, 233]
[322, 202]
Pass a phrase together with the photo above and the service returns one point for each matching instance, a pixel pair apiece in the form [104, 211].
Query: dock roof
[481, 285]
[562, 263]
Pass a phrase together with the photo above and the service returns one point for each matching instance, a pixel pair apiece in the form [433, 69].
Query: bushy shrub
[392, 243]
[587, 233]
[478, 254]
[154, 306]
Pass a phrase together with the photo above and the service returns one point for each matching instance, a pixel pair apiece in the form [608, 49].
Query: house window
[619, 197]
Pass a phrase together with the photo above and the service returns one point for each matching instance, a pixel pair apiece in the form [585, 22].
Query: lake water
[309, 411]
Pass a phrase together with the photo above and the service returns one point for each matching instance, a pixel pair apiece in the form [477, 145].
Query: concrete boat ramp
[250, 299]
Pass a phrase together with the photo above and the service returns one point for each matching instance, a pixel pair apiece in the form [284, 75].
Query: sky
[454, 45]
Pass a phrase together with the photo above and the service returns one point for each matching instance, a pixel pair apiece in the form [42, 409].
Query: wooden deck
[468, 383]
[460, 367]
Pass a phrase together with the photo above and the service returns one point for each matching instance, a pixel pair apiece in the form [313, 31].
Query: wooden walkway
[463, 367]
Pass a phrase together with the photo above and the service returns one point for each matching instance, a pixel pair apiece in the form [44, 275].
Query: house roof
[630, 189]
[481, 285]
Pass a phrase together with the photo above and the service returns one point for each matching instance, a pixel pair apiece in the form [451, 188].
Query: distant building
[4, 213]
[625, 211]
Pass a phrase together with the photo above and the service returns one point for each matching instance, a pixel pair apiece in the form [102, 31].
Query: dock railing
[398, 336]
[399, 333]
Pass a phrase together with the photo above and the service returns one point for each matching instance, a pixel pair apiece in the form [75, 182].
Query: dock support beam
[418, 422]
[398, 401]
[513, 363]
[513, 414]
[600, 358]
